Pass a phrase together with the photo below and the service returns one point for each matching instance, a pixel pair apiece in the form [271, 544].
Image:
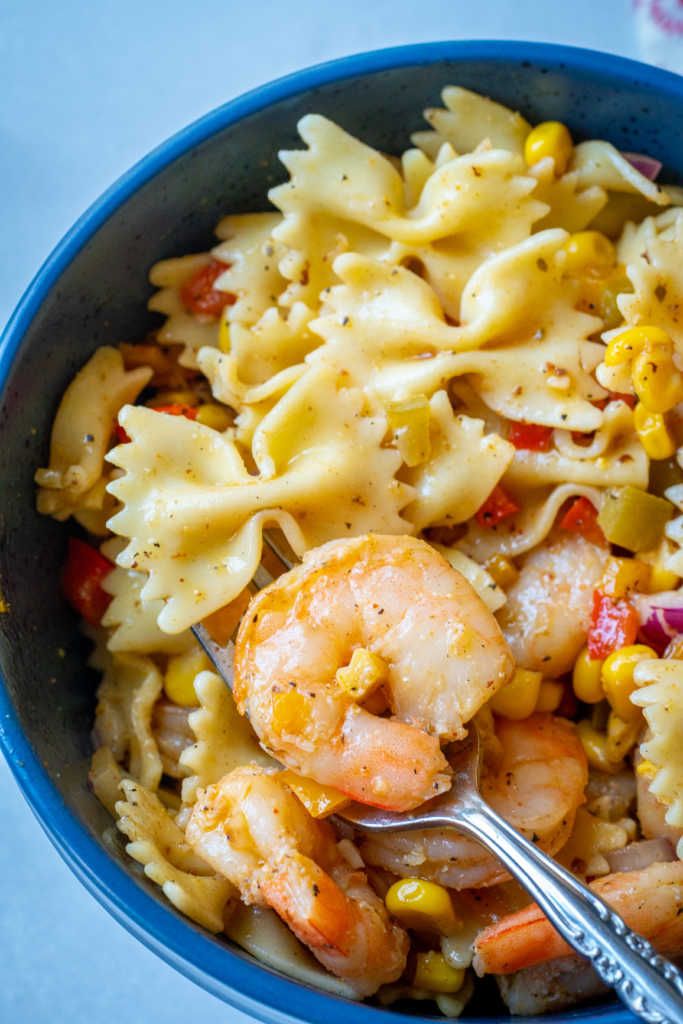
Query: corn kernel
[215, 416]
[654, 435]
[409, 421]
[662, 579]
[595, 747]
[656, 381]
[550, 138]
[503, 571]
[622, 576]
[224, 335]
[626, 345]
[222, 623]
[518, 698]
[586, 678]
[589, 251]
[422, 905]
[433, 973]
[549, 696]
[363, 675]
[621, 736]
[291, 710]
[617, 679]
[646, 768]
[180, 675]
[319, 801]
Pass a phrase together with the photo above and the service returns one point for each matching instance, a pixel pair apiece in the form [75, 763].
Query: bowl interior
[94, 292]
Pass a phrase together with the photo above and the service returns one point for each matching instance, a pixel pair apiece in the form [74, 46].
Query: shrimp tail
[311, 903]
[650, 901]
[516, 941]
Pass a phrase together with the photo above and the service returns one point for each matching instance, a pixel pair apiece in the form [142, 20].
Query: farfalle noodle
[156, 842]
[82, 431]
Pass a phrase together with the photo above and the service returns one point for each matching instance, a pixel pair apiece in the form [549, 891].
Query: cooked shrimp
[546, 616]
[537, 786]
[252, 829]
[399, 599]
[650, 902]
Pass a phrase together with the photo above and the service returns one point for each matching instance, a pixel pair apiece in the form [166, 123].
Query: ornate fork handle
[647, 983]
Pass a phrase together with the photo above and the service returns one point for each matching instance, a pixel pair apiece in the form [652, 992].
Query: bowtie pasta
[450, 383]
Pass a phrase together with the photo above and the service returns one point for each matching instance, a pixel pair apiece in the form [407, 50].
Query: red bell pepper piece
[497, 507]
[530, 436]
[613, 624]
[581, 517]
[199, 296]
[120, 434]
[84, 570]
[613, 396]
[177, 409]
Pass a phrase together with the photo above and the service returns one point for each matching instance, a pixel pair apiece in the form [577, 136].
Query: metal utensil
[650, 985]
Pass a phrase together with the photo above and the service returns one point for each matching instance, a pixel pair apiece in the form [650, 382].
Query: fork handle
[650, 985]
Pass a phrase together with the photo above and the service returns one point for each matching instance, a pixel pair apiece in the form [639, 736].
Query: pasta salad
[448, 386]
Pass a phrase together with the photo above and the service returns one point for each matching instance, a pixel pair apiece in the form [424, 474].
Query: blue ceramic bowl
[92, 291]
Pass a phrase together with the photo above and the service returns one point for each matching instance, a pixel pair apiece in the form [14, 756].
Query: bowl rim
[229, 974]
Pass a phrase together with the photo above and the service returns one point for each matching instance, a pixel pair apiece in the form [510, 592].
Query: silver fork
[650, 985]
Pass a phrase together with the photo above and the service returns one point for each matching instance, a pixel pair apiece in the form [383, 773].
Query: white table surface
[86, 88]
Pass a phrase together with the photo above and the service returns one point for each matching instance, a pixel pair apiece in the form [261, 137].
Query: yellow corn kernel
[586, 679]
[617, 678]
[214, 415]
[518, 698]
[224, 335]
[291, 710]
[178, 397]
[319, 801]
[625, 345]
[622, 576]
[503, 571]
[222, 623]
[595, 746]
[646, 768]
[621, 736]
[653, 432]
[549, 696]
[656, 381]
[433, 973]
[409, 421]
[422, 905]
[363, 675]
[180, 675]
[662, 579]
[589, 251]
[550, 138]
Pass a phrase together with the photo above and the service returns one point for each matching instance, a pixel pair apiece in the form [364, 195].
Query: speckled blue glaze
[92, 290]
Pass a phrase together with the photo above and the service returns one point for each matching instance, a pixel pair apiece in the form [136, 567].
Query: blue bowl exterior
[44, 732]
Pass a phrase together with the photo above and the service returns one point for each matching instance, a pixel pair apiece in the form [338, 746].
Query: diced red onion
[647, 165]
[661, 617]
[637, 856]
